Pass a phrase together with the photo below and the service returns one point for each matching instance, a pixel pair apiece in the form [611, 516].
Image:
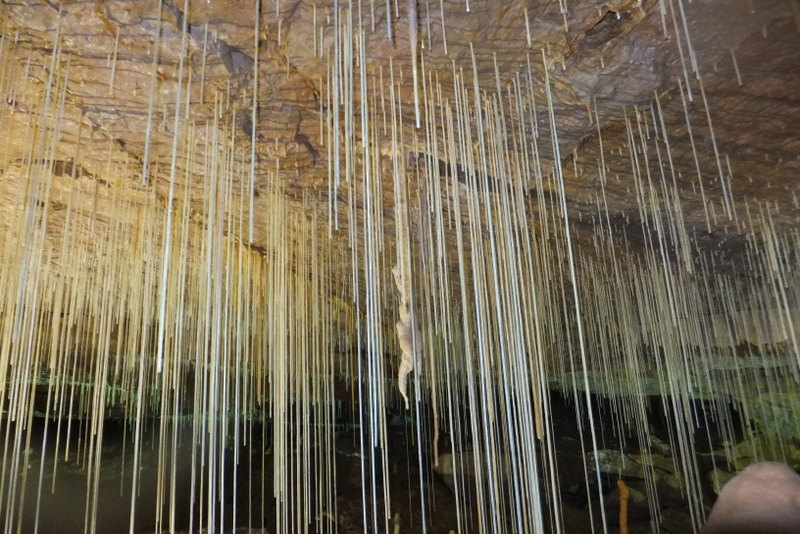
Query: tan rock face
[605, 62]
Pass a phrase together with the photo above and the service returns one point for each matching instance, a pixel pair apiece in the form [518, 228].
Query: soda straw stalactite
[479, 244]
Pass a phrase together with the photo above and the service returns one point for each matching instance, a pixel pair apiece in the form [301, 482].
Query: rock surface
[606, 62]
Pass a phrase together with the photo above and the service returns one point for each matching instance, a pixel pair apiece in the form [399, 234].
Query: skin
[763, 499]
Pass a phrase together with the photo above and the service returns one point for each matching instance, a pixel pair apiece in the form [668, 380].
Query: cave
[429, 266]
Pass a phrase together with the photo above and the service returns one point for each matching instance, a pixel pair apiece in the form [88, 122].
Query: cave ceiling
[728, 70]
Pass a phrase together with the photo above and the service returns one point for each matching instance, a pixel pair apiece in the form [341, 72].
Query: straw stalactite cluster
[218, 215]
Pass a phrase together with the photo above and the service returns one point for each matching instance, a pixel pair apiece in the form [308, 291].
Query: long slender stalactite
[282, 271]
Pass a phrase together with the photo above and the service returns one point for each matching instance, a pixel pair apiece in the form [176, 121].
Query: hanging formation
[452, 268]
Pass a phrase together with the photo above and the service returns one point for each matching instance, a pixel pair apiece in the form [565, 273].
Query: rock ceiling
[607, 63]
[666, 131]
